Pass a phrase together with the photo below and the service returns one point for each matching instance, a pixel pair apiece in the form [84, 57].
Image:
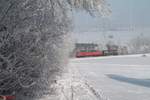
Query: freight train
[92, 50]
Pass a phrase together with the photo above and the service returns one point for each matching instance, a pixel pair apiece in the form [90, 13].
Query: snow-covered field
[118, 78]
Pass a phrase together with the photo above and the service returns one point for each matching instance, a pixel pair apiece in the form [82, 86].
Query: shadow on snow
[135, 81]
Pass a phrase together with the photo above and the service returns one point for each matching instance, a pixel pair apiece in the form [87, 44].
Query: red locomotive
[7, 97]
[89, 53]
[87, 50]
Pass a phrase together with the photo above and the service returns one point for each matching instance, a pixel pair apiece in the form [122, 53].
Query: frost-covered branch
[94, 7]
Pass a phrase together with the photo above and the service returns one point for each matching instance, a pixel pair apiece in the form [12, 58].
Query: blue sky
[126, 15]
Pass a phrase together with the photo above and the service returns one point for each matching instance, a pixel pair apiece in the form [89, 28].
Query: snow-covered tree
[139, 44]
[33, 42]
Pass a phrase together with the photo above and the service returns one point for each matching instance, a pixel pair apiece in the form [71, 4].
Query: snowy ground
[118, 78]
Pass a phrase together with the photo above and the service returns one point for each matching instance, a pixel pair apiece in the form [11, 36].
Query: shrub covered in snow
[33, 43]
